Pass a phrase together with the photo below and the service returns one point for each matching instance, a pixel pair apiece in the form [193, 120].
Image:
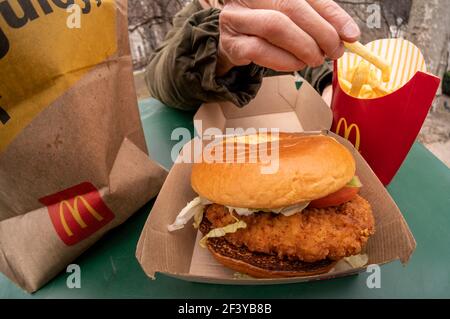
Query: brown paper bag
[73, 159]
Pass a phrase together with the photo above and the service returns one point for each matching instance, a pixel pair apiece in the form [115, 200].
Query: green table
[421, 189]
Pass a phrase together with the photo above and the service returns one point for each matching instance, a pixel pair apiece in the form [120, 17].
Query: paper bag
[384, 129]
[73, 159]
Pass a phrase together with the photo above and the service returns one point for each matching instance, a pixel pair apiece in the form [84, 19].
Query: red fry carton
[383, 129]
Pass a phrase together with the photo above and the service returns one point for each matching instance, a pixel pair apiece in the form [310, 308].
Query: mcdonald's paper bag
[383, 129]
[73, 160]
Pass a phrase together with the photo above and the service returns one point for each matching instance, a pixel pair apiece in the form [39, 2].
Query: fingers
[346, 27]
[317, 26]
[284, 34]
[324, 20]
[277, 29]
[243, 49]
[310, 21]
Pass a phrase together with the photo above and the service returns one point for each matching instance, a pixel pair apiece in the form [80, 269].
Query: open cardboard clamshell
[277, 105]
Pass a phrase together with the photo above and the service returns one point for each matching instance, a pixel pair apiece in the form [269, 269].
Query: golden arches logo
[348, 130]
[75, 211]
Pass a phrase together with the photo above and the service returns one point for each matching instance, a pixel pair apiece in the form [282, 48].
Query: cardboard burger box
[278, 105]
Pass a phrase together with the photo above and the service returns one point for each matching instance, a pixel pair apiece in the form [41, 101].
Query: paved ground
[435, 133]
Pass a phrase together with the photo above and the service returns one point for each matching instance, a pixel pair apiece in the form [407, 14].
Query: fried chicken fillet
[311, 235]
[297, 220]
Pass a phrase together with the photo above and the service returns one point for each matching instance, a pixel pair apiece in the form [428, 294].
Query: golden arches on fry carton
[348, 130]
[391, 63]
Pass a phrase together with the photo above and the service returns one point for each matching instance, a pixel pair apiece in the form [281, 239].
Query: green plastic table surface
[421, 189]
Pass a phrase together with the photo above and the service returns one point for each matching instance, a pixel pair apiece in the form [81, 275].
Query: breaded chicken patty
[311, 235]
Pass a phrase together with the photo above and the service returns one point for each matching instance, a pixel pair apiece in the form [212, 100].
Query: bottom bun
[260, 265]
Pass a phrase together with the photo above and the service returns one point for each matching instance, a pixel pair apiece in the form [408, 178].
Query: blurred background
[424, 22]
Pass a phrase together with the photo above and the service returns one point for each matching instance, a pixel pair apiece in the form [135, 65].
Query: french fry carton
[383, 129]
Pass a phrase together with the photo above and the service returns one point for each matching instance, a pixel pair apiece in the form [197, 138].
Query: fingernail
[338, 52]
[350, 30]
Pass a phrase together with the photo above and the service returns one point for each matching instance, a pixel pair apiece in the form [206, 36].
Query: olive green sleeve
[181, 72]
[319, 77]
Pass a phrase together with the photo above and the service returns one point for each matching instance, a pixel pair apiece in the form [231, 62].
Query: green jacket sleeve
[181, 72]
[319, 77]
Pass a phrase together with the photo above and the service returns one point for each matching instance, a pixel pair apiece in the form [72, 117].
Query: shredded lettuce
[222, 231]
[193, 208]
[239, 275]
[242, 211]
[354, 182]
[291, 210]
[198, 217]
[286, 211]
[357, 261]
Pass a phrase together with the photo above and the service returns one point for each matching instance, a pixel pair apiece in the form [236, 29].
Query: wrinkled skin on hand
[283, 35]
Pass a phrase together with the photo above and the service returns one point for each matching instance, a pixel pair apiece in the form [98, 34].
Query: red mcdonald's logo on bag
[77, 212]
[348, 130]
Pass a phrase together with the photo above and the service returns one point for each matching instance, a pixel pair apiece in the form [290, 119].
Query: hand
[283, 35]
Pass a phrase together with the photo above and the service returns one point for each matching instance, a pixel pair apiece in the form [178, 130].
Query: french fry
[366, 92]
[362, 81]
[360, 78]
[368, 55]
[350, 73]
[345, 85]
[374, 81]
[376, 85]
[381, 91]
[340, 70]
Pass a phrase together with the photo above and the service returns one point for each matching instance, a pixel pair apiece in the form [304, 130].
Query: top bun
[309, 167]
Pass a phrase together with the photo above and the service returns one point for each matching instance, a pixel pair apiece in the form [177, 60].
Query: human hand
[283, 35]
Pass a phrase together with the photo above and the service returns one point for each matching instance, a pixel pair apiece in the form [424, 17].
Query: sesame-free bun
[309, 167]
